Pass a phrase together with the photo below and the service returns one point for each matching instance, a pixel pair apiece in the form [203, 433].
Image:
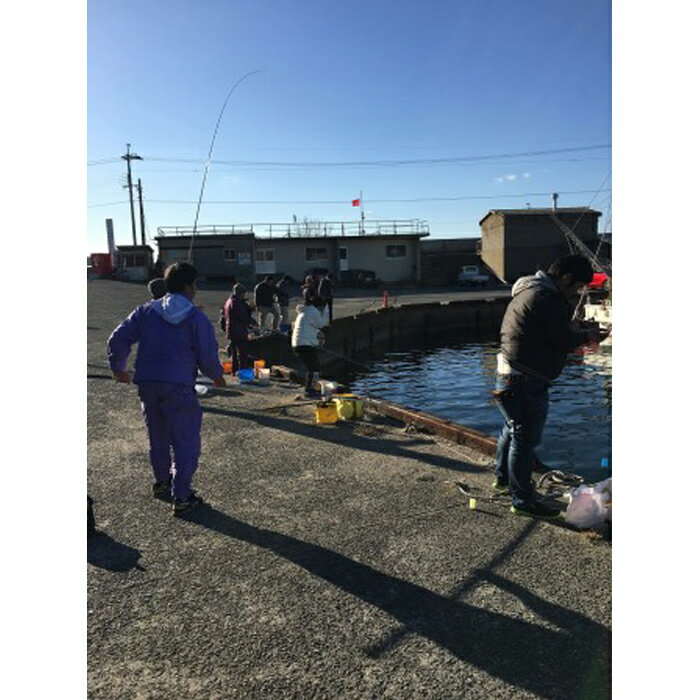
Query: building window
[396, 251]
[230, 255]
[264, 255]
[313, 254]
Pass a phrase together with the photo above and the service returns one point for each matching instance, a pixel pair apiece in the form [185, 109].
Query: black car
[359, 278]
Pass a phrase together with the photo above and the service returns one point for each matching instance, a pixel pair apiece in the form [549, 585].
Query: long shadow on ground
[107, 553]
[340, 436]
[566, 662]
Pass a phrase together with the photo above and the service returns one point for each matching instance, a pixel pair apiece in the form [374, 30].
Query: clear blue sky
[346, 82]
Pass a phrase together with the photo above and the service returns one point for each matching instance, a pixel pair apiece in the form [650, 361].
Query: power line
[377, 163]
[369, 201]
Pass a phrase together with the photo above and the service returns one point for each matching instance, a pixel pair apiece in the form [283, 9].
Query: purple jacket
[175, 339]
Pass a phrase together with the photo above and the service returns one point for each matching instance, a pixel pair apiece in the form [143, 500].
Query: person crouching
[312, 316]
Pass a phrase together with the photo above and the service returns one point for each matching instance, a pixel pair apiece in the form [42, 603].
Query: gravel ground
[331, 562]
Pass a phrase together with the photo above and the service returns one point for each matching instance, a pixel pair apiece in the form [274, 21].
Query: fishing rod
[208, 162]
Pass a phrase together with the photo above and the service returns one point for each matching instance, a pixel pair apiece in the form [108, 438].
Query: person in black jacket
[237, 322]
[326, 289]
[537, 334]
[282, 293]
[264, 295]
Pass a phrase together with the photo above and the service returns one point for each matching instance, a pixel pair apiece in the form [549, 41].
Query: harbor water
[456, 382]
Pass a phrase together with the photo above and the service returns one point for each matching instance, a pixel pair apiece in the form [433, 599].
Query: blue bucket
[246, 375]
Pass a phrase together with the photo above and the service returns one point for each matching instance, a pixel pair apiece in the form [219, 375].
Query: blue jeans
[524, 404]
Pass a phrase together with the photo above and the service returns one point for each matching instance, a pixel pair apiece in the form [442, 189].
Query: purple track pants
[173, 419]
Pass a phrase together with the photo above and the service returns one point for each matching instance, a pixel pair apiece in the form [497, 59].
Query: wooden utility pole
[128, 157]
[143, 218]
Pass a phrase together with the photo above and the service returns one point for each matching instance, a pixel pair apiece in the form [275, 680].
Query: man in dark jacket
[264, 295]
[282, 292]
[537, 334]
[175, 339]
[238, 320]
[326, 289]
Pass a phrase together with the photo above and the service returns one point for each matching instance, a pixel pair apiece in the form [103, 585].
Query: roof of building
[173, 241]
[133, 248]
[541, 211]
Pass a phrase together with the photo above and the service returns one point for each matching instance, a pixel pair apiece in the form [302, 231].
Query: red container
[101, 263]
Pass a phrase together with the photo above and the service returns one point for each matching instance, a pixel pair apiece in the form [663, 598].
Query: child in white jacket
[306, 337]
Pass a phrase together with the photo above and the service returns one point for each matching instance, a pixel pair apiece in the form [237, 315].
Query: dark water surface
[456, 382]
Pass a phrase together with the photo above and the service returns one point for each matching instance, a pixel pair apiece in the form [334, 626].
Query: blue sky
[342, 83]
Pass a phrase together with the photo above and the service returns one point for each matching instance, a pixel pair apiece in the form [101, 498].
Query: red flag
[355, 202]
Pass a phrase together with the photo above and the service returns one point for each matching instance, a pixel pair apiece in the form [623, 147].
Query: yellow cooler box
[349, 406]
[326, 412]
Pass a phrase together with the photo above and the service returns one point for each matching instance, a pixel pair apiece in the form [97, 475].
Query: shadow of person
[552, 663]
[340, 436]
[105, 552]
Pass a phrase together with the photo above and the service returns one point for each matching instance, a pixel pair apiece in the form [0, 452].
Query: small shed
[134, 263]
[517, 242]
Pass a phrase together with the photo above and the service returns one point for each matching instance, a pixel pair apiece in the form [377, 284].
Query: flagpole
[362, 215]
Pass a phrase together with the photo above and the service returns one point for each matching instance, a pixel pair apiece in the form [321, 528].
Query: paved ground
[333, 561]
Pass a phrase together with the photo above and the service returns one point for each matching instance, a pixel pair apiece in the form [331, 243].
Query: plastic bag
[590, 506]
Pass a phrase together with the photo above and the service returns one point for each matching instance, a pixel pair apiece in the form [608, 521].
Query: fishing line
[208, 162]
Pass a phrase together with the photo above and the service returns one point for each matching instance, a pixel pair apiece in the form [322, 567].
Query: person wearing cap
[264, 296]
[307, 335]
[175, 339]
[238, 319]
[157, 288]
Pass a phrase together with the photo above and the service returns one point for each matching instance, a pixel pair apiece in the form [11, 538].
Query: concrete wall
[492, 243]
[394, 329]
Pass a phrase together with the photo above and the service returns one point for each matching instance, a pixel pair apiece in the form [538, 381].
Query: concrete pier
[332, 561]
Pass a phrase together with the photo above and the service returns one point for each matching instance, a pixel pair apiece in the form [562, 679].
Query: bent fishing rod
[208, 162]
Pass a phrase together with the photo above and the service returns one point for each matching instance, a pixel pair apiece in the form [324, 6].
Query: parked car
[359, 278]
[470, 276]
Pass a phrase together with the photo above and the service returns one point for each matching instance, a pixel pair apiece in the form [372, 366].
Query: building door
[265, 261]
[342, 259]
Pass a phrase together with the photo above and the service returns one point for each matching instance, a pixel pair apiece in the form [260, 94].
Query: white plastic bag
[590, 506]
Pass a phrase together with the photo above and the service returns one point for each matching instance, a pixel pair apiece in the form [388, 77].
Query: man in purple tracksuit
[175, 339]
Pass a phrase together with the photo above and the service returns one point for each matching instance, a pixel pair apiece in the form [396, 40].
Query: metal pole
[128, 158]
[143, 218]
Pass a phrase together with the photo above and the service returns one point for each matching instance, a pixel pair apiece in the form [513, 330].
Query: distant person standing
[308, 289]
[307, 335]
[283, 300]
[264, 295]
[537, 333]
[238, 320]
[175, 339]
[326, 290]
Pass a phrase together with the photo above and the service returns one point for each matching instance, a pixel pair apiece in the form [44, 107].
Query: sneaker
[162, 489]
[536, 510]
[182, 507]
[500, 486]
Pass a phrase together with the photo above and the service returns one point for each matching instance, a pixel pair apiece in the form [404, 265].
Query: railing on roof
[307, 229]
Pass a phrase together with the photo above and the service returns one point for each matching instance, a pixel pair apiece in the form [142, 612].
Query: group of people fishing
[176, 340]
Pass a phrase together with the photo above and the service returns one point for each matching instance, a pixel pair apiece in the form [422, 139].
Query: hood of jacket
[540, 280]
[173, 308]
